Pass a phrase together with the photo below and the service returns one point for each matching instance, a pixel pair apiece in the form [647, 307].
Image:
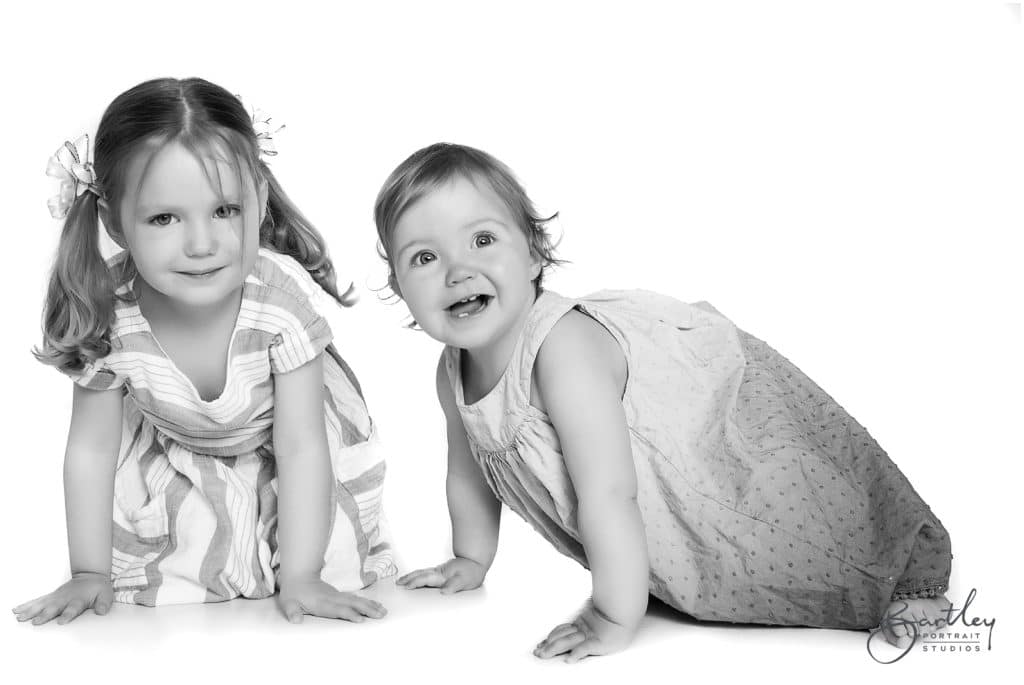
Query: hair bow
[71, 166]
[264, 132]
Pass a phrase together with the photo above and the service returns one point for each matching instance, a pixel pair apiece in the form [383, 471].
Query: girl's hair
[205, 119]
[433, 166]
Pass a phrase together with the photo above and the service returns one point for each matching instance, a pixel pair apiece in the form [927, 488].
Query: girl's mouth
[200, 274]
[469, 306]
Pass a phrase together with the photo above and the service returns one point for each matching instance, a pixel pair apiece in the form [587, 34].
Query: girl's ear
[261, 194]
[104, 211]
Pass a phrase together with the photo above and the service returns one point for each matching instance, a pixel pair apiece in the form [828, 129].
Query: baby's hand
[67, 602]
[455, 575]
[317, 598]
[591, 634]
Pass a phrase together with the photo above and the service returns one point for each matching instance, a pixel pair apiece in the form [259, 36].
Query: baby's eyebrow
[406, 246]
[485, 220]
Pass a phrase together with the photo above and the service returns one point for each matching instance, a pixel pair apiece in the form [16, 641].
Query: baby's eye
[423, 258]
[161, 219]
[227, 211]
[483, 240]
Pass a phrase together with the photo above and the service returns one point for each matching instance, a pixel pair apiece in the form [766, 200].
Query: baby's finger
[424, 578]
[558, 631]
[586, 648]
[560, 645]
[101, 606]
[454, 584]
[412, 575]
[71, 611]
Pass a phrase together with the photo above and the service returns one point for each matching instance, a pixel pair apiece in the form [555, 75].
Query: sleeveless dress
[763, 501]
[195, 511]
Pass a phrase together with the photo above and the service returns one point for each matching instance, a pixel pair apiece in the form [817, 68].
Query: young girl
[218, 445]
[650, 440]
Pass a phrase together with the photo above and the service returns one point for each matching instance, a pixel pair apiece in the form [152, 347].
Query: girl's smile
[192, 229]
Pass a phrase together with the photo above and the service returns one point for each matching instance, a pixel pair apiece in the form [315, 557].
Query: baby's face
[464, 267]
[191, 241]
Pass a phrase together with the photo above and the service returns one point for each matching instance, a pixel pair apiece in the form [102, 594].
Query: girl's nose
[200, 239]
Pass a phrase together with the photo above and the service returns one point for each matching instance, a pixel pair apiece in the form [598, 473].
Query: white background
[842, 180]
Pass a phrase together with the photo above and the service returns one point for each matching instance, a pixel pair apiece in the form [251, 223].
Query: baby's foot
[906, 619]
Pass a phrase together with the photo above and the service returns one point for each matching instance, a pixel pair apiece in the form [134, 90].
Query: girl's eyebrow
[159, 207]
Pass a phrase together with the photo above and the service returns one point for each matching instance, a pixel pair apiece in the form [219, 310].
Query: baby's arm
[580, 375]
[94, 439]
[305, 482]
[475, 512]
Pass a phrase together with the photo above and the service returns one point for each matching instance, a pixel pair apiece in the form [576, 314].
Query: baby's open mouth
[468, 306]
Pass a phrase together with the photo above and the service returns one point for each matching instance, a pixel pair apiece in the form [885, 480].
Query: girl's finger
[373, 609]
[560, 645]
[47, 614]
[345, 612]
[292, 611]
[71, 611]
[101, 606]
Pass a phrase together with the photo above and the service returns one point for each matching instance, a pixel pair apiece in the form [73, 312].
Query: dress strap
[548, 310]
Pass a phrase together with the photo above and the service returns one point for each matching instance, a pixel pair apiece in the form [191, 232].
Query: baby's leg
[906, 619]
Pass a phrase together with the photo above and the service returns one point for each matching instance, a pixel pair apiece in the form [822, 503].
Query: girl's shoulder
[281, 272]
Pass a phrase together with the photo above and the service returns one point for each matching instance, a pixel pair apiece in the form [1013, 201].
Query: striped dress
[195, 510]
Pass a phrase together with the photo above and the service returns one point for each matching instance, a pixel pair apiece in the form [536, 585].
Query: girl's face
[464, 267]
[192, 242]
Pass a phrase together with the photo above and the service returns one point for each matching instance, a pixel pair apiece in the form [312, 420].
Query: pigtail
[79, 307]
[287, 231]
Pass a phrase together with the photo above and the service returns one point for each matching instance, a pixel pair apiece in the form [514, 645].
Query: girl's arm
[474, 510]
[305, 497]
[94, 440]
[580, 375]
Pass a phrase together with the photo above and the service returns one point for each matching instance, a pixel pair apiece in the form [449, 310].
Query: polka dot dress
[762, 499]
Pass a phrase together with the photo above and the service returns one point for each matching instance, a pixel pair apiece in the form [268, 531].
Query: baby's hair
[208, 121]
[430, 168]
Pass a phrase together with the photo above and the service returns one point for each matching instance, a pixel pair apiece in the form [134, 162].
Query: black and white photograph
[488, 342]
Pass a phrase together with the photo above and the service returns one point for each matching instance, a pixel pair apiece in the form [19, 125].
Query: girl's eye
[483, 240]
[423, 258]
[161, 219]
[227, 211]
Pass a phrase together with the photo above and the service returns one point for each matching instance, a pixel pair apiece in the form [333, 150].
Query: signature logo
[928, 632]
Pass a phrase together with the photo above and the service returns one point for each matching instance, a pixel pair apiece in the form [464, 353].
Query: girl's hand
[67, 602]
[452, 576]
[591, 634]
[317, 598]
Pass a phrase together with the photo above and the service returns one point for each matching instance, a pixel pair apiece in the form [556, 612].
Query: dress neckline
[228, 376]
[456, 359]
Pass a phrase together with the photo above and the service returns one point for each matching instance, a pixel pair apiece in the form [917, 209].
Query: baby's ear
[536, 266]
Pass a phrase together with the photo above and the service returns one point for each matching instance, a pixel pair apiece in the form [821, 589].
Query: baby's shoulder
[578, 346]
